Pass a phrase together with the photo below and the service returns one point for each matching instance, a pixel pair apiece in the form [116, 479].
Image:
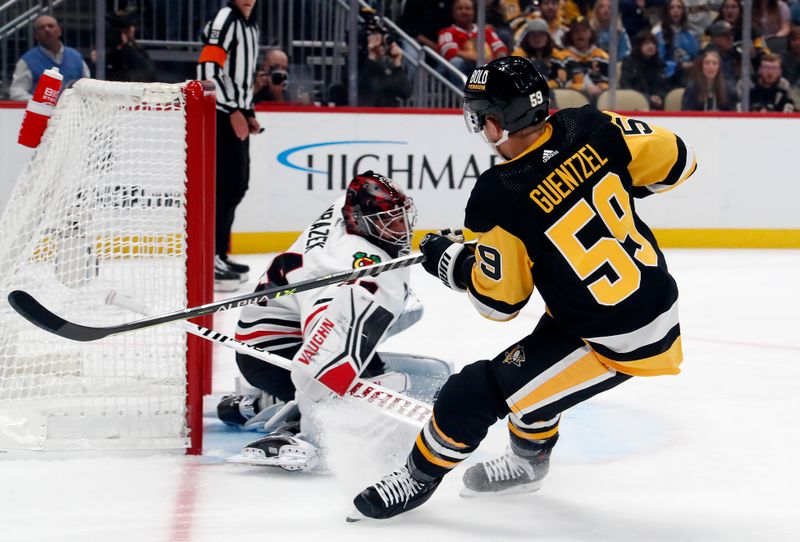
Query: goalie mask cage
[118, 197]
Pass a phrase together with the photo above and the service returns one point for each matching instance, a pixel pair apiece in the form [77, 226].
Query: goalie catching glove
[448, 258]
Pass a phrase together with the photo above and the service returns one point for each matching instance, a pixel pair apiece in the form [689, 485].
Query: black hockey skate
[508, 474]
[237, 409]
[394, 494]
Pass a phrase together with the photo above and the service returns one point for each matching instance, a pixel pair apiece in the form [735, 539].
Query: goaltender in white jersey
[331, 334]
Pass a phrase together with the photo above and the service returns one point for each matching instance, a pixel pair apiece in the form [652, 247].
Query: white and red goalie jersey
[337, 327]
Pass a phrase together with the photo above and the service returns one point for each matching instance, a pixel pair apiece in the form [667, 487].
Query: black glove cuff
[463, 269]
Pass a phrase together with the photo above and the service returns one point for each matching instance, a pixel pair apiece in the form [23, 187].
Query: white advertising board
[746, 178]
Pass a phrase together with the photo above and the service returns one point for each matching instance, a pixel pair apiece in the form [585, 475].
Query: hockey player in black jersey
[559, 215]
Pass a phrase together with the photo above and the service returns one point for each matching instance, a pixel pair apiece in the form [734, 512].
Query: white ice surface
[712, 454]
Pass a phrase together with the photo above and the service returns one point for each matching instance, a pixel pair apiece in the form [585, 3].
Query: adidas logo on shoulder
[547, 155]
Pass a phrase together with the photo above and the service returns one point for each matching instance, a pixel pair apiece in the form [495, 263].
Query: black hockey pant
[532, 382]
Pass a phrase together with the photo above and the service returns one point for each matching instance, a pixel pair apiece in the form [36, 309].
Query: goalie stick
[395, 404]
[36, 313]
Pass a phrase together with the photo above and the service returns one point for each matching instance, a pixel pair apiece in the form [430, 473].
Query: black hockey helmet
[377, 209]
[509, 89]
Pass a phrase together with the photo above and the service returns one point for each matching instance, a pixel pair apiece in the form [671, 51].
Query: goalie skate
[284, 451]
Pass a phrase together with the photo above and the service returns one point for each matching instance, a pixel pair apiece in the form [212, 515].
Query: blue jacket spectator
[676, 44]
[601, 23]
[49, 53]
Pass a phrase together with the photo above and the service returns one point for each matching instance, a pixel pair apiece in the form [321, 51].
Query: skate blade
[533, 487]
[355, 516]
[288, 460]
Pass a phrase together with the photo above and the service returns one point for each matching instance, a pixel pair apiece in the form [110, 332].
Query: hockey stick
[36, 313]
[395, 404]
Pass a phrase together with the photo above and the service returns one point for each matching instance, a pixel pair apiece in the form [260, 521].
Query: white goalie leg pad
[412, 313]
[340, 344]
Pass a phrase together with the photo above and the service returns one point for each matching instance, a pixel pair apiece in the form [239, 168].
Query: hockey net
[118, 197]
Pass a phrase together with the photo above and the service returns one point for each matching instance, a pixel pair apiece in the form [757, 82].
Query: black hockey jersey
[561, 216]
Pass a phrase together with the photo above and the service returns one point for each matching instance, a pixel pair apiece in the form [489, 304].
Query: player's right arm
[660, 160]
[217, 38]
[497, 276]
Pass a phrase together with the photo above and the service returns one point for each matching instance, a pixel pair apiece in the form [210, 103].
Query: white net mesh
[100, 207]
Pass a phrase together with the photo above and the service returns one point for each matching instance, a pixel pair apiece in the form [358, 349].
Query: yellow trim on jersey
[445, 437]
[432, 458]
[574, 375]
[532, 436]
[508, 280]
[541, 140]
[653, 155]
[666, 363]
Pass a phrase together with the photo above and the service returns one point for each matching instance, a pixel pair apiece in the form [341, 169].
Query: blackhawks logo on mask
[362, 259]
[516, 356]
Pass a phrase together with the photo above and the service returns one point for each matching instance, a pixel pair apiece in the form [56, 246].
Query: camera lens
[278, 77]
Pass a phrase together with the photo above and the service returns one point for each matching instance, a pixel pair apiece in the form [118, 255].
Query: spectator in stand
[708, 90]
[382, 80]
[730, 11]
[49, 52]
[600, 20]
[507, 18]
[721, 34]
[771, 18]
[584, 64]
[537, 45]
[126, 60]
[422, 19]
[771, 93]
[572, 9]
[699, 17]
[458, 42]
[548, 11]
[643, 70]
[272, 78]
[790, 60]
[676, 45]
[634, 16]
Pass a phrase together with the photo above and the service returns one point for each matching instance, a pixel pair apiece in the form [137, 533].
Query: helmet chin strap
[496, 145]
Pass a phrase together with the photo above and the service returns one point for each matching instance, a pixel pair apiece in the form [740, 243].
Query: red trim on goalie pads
[340, 378]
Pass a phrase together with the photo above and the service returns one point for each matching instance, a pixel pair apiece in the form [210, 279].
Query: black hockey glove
[448, 258]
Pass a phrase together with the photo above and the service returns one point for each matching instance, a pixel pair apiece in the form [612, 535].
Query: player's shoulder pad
[574, 124]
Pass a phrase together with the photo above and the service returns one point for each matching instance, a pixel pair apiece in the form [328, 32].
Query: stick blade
[34, 312]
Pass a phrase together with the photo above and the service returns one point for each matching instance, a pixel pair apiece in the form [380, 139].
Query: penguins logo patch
[516, 356]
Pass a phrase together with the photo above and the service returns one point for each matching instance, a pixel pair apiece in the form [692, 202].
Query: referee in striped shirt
[229, 59]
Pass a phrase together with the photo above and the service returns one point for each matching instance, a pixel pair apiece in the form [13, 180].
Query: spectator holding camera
[272, 78]
[126, 60]
[382, 80]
